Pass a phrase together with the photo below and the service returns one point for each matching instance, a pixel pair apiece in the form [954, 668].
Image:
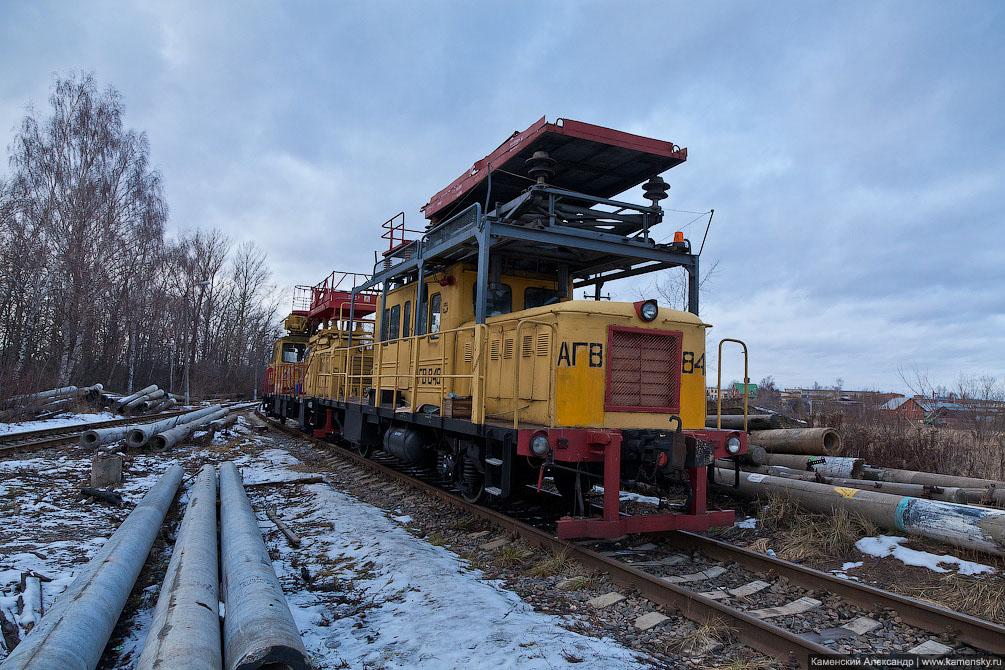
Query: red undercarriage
[604, 446]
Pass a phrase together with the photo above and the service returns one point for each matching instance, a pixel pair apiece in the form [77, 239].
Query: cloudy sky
[853, 152]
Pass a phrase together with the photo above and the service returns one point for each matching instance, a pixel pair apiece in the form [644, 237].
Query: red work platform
[595, 160]
[333, 299]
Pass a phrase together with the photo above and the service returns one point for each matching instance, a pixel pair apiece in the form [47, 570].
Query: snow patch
[882, 546]
[61, 421]
[749, 522]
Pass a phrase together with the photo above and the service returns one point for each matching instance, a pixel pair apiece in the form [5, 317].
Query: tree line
[92, 289]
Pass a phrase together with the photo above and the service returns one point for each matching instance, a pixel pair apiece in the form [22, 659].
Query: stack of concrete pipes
[51, 400]
[161, 434]
[149, 399]
[796, 462]
[258, 627]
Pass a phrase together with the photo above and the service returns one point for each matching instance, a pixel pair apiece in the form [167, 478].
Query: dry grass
[756, 663]
[512, 554]
[700, 639]
[437, 538]
[551, 565]
[980, 596]
[800, 535]
[580, 582]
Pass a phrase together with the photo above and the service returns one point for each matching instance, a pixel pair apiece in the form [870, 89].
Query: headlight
[539, 445]
[733, 445]
[649, 310]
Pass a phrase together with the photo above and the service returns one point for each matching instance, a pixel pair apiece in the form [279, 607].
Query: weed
[512, 554]
[550, 565]
[700, 639]
[437, 538]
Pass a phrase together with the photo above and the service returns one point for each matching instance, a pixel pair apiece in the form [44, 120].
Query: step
[493, 490]
[494, 461]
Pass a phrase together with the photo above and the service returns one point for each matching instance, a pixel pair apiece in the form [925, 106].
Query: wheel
[471, 482]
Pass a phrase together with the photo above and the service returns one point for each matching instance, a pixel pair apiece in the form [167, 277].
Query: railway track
[54, 437]
[711, 604]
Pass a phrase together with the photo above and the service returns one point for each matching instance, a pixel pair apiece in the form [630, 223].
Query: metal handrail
[718, 384]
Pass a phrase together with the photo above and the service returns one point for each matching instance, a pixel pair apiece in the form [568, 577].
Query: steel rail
[973, 631]
[978, 633]
[757, 634]
[53, 437]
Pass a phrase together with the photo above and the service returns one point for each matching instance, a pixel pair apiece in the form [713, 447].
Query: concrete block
[606, 600]
[650, 620]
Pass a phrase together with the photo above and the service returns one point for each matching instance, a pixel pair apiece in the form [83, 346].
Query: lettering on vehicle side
[571, 353]
[429, 376]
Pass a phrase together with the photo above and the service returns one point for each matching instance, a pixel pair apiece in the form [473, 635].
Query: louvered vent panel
[544, 343]
[508, 347]
[494, 350]
[643, 372]
[527, 346]
[469, 349]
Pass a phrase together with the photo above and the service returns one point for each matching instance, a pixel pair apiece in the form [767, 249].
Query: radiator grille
[643, 370]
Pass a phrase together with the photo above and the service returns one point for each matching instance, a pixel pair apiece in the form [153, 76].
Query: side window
[498, 301]
[384, 320]
[434, 313]
[420, 313]
[293, 353]
[535, 296]
[406, 321]
[393, 328]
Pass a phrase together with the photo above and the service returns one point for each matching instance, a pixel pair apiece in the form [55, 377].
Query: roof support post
[352, 316]
[692, 286]
[482, 276]
[419, 318]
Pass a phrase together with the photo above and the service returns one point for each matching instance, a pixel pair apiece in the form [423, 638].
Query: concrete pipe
[756, 455]
[966, 526]
[42, 395]
[947, 494]
[133, 396]
[171, 437]
[832, 466]
[258, 629]
[185, 632]
[223, 423]
[92, 392]
[139, 435]
[931, 478]
[95, 438]
[816, 441]
[754, 421]
[75, 630]
[163, 404]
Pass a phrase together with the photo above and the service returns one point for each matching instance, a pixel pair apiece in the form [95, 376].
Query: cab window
[293, 353]
[406, 321]
[434, 313]
[535, 296]
[498, 300]
[385, 319]
[393, 328]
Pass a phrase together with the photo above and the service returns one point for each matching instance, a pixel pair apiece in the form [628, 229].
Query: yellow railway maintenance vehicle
[466, 349]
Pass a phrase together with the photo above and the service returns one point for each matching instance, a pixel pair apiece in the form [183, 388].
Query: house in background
[904, 408]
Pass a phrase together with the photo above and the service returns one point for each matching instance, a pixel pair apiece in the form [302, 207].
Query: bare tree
[90, 289]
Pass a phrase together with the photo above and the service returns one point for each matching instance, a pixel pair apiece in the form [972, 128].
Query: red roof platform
[595, 160]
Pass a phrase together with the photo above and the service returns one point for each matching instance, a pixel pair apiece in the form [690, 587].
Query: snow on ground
[60, 421]
[377, 597]
[47, 531]
[749, 522]
[882, 546]
[382, 598]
